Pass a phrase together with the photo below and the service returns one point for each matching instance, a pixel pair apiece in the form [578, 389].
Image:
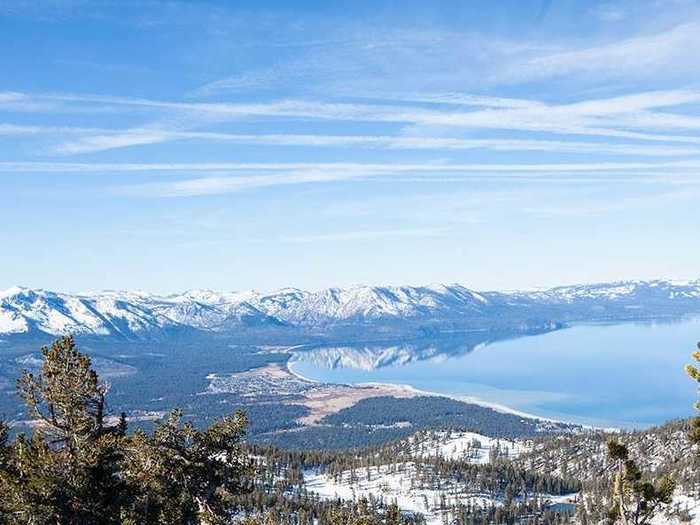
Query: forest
[81, 464]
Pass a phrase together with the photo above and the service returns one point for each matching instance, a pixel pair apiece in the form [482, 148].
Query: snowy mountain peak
[14, 291]
[128, 313]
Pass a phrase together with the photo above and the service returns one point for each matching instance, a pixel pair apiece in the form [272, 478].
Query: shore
[407, 391]
[321, 399]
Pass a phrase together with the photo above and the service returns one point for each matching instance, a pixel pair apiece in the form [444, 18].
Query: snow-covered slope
[625, 292]
[128, 314]
[413, 482]
[415, 472]
[659, 451]
[466, 446]
[23, 310]
[368, 303]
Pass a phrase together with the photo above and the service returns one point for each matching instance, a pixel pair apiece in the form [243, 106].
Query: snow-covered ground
[397, 483]
[410, 485]
[681, 502]
[468, 446]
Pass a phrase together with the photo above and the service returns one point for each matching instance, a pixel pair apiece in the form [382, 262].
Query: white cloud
[671, 51]
[346, 167]
[104, 142]
[631, 116]
[97, 143]
[201, 186]
[255, 176]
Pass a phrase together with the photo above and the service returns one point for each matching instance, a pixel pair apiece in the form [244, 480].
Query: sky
[165, 145]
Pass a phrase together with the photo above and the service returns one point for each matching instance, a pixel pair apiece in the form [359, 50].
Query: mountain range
[374, 309]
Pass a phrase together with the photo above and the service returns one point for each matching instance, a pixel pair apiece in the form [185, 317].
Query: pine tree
[635, 501]
[4, 458]
[75, 469]
[694, 373]
[67, 472]
[183, 475]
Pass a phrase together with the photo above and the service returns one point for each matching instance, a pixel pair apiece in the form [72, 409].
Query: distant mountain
[371, 308]
[125, 314]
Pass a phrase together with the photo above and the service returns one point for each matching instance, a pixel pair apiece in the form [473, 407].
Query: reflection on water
[371, 356]
[623, 375]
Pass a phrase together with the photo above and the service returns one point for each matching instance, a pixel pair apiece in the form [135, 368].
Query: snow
[680, 502]
[395, 483]
[12, 323]
[689, 503]
[11, 292]
[468, 446]
[127, 313]
[404, 484]
[401, 482]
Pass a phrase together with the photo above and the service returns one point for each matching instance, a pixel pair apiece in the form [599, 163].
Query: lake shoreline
[472, 400]
[604, 375]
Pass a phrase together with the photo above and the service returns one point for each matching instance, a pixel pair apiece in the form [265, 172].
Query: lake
[623, 375]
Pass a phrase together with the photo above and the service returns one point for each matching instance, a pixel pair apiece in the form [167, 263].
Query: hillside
[462, 477]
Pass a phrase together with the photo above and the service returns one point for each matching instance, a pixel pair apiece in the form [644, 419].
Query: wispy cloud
[379, 59]
[200, 186]
[632, 117]
[340, 167]
[128, 138]
[22, 102]
[669, 52]
[255, 176]
[19, 130]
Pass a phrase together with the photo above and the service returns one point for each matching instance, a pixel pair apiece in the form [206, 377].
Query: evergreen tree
[77, 470]
[183, 475]
[4, 457]
[635, 501]
[67, 471]
[694, 373]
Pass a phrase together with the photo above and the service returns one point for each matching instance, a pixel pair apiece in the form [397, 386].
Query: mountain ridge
[135, 313]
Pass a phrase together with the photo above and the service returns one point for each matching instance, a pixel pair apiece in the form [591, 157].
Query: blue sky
[230, 145]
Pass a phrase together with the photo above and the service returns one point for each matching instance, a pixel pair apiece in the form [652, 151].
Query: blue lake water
[628, 375]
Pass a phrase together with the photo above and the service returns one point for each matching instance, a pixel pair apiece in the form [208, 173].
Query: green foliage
[362, 515]
[4, 435]
[77, 469]
[635, 500]
[67, 396]
[362, 512]
[201, 471]
[694, 374]
[67, 471]
[617, 451]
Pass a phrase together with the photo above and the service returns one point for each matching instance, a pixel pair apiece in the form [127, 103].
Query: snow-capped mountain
[131, 314]
[126, 314]
[367, 303]
[25, 310]
[625, 291]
